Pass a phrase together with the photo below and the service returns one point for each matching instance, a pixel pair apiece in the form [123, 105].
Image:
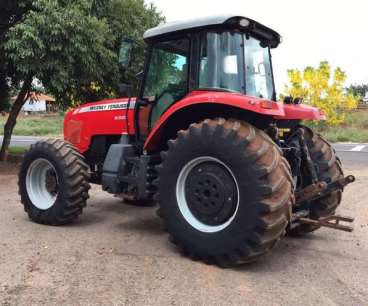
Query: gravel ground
[118, 255]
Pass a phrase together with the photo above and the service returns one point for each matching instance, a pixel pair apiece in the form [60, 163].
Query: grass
[354, 129]
[17, 150]
[36, 125]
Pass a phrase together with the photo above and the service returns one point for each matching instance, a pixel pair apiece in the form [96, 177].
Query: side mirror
[125, 52]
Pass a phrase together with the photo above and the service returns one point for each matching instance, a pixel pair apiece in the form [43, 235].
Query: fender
[301, 112]
[276, 110]
[237, 100]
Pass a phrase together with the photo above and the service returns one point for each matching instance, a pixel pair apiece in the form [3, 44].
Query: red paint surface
[277, 110]
[80, 127]
[301, 112]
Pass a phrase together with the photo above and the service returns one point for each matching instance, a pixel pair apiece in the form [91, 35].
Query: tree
[127, 19]
[71, 47]
[359, 91]
[11, 12]
[322, 88]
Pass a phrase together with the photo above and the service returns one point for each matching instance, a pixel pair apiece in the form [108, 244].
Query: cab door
[166, 79]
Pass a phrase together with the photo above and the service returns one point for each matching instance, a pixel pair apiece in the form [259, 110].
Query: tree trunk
[4, 90]
[12, 119]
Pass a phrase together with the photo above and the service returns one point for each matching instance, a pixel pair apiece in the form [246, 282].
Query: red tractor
[232, 170]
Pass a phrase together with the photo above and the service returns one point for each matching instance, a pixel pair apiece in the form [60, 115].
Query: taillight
[266, 104]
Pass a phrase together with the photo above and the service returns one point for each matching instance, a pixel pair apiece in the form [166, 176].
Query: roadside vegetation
[18, 150]
[323, 87]
[353, 129]
[37, 125]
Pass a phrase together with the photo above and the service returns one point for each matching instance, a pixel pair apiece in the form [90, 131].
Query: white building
[365, 99]
[39, 103]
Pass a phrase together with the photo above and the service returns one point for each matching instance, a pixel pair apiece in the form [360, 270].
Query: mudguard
[276, 110]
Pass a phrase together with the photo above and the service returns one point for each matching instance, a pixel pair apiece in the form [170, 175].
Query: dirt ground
[118, 255]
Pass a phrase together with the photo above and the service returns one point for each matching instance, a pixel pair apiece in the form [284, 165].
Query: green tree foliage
[128, 19]
[322, 88]
[71, 47]
[359, 90]
[63, 46]
[163, 71]
[11, 12]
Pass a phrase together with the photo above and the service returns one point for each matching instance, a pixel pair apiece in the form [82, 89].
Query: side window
[258, 72]
[168, 70]
[167, 77]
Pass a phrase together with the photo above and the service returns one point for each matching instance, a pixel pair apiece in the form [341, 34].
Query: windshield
[226, 65]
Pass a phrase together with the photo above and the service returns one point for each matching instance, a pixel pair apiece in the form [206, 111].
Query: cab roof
[222, 22]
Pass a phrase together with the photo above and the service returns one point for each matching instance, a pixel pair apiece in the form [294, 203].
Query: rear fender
[301, 112]
[198, 106]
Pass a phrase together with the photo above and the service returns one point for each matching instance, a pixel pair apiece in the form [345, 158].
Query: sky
[312, 30]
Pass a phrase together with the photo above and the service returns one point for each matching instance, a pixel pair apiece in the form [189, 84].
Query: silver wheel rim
[182, 202]
[36, 185]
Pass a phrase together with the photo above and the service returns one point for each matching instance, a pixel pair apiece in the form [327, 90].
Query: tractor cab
[219, 54]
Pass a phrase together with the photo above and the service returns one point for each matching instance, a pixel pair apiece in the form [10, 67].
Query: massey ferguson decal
[104, 107]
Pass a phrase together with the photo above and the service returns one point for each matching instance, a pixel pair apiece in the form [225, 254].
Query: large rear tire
[53, 182]
[329, 169]
[224, 191]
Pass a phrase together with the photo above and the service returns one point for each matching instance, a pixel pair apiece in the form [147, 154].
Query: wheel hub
[42, 184]
[207, 194]
[211, 193]
[51, 182]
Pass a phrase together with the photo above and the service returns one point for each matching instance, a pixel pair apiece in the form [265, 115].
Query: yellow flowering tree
[322, 88]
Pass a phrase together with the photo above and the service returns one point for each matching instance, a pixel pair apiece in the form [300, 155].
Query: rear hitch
[321, 189]
[331, 222]
[318, 190]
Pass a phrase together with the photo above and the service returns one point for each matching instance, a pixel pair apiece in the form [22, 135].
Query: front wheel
[53, 182]
[224, 191]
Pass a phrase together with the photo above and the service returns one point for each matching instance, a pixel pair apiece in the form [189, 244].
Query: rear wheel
[225, 192]
[329, 169]
[53, 182]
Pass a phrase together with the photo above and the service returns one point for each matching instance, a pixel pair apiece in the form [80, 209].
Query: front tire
[225, 192]
[53, 182]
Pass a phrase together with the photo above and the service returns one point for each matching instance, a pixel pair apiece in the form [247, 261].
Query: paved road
[22, 141]
[351, 147]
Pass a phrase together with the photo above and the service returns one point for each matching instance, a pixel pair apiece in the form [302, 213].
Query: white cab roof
[187, 24]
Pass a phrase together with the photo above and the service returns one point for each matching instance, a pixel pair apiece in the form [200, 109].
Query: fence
[363, 106]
